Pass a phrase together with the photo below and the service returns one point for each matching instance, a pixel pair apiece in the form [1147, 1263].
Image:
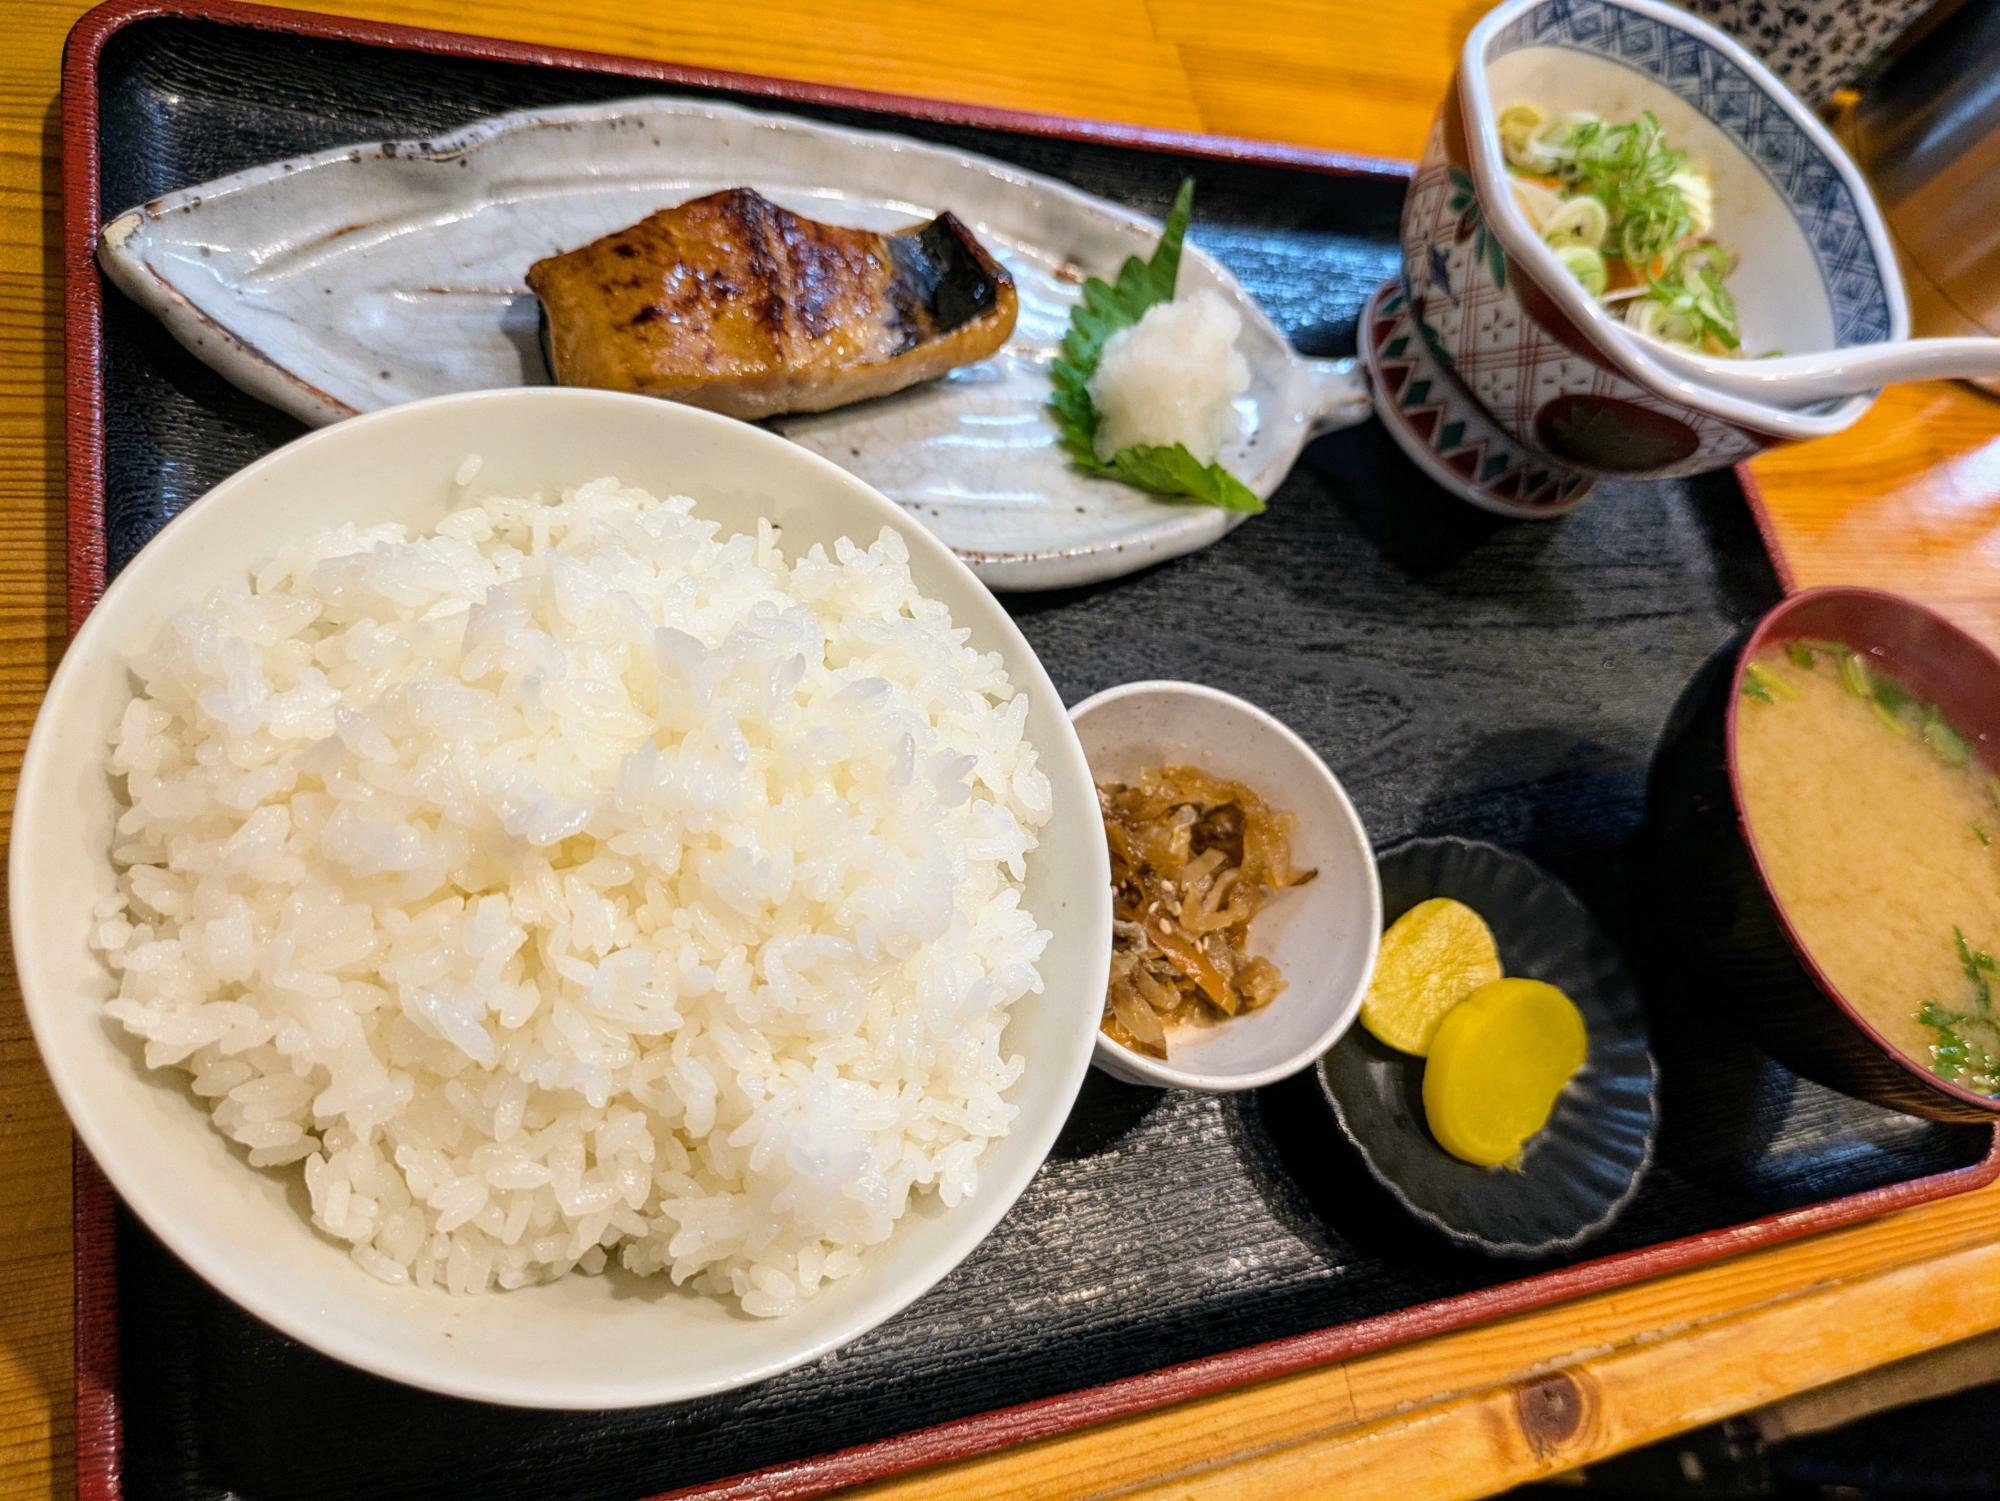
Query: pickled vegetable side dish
[1498, 1052]
[1193, 859]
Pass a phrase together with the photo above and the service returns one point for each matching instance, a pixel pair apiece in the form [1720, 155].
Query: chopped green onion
[1831, 648]
[1854, 673]
[1892, 695]
[1800, 653]
[1979, 833]
[1774, 686]
[1969, 1040]
[1947, 1055]
[1718, 310]
[1942, 738]
[1933, 1014]
[1707, 259]
[1586, 265]
[1517, 122]
[1656, 320]
[1977, 964]
[1900, 726]
[1691, 288]
[1755, 690]
[1582, 220]
[1621, 190]
[1628, 169]
[1699, 194]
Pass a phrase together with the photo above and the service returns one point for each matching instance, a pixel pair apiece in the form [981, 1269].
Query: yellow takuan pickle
[1432, 957]
[1497, 1063]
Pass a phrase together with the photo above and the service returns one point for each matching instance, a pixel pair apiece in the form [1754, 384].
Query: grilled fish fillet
[732, 303]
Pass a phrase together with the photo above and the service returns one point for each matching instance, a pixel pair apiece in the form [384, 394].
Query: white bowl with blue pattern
[1519, 342]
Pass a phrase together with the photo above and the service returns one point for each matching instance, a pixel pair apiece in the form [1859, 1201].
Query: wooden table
[1910, 499]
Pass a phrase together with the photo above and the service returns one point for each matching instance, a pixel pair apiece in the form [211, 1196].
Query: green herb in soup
[1873, 816]
[1765, 685]
[1967, 1049]
[1630, 218]
[1895, 707]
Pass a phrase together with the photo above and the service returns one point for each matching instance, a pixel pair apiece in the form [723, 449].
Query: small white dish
[581, 1342]
[363, 276]
[1322, 936]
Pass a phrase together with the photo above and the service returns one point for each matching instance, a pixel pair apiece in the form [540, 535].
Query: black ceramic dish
[1584, 1166]
[1712, 900]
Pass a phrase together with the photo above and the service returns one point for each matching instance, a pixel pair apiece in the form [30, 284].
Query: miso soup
[1876, 821]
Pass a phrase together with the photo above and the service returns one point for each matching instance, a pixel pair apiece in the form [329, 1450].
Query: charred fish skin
[734, 303]
[943, 280]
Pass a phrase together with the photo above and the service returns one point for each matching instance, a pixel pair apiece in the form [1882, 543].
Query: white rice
[1173, 377]
[574, 882]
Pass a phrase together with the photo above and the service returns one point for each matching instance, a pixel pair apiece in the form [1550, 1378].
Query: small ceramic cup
[1493, 367]
[1322, 935]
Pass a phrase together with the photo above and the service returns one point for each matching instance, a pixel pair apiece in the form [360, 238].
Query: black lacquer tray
[1499, 680]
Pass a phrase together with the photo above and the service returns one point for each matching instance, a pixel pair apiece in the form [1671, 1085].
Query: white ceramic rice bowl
[582, 1342]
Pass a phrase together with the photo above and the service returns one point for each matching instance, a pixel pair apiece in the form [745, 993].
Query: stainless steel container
[1927, 133]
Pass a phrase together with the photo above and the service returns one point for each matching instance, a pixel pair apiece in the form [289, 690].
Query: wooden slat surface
[1910, 499]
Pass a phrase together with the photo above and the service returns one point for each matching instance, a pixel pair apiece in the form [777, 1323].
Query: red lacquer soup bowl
[1709, 897]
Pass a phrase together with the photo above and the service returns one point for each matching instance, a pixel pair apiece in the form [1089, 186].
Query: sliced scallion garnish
[1942, 738]
[1899, 725]
[1854, 673]
[1774, 686]
[1586, 265]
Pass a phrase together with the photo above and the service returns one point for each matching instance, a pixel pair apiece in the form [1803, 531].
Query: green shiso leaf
[1105, 308]
[1175, 471]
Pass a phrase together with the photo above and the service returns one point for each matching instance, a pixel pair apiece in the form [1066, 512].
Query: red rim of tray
[99, 1419]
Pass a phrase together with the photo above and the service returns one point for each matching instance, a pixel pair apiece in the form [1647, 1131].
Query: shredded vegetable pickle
[1629, 217]
[1193, 858]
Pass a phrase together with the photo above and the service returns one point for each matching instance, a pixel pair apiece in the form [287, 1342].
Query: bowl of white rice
[559, 898]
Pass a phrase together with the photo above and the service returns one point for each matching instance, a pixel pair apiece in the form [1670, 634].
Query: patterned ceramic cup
[1816, 46]
[1493, 367]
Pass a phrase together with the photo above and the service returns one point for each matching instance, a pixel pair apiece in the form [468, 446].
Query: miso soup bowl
[1710, 897]
[1493, 367]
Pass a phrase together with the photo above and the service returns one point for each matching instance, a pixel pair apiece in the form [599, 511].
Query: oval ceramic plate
[365, 276]
[1585, 1165]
